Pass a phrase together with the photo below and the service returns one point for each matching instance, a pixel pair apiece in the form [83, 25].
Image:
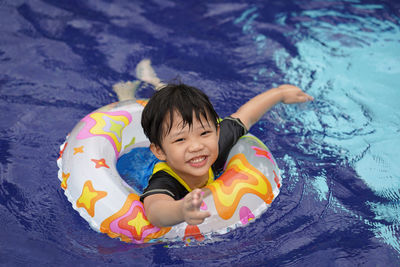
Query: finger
[198, 217]
[202, 215]
[205, 214]
[197, 198]
[305, 98]
[308, 96]
[196, 193]
[193, 200]
[196, 203]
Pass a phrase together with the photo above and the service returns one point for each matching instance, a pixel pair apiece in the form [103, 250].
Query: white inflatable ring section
[88, 175]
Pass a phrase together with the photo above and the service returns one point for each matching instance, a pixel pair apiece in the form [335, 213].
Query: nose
[195, 146]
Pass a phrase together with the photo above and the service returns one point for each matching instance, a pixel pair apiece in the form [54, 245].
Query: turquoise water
[357, 71]
[351, 65]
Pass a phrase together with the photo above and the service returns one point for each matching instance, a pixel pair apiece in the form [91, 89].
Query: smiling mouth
[198, 161]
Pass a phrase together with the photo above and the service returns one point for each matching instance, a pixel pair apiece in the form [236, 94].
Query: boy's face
[190, 152]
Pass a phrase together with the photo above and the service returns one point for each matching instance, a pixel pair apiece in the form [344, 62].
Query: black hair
[181, 98]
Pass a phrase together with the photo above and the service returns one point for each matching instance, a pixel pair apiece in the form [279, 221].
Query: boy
[183, 129]
[185, 135]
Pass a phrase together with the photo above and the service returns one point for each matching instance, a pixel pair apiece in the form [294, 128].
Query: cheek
[215, 145]
[175, 153]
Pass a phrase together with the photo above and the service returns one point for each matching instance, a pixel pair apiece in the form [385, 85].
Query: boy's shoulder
[231, 129]
[229, 120]
[162, 182]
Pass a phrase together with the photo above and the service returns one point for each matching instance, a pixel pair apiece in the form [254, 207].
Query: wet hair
[181, 98]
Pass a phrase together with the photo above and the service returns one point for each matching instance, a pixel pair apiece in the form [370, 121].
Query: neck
[189, 183]
[197, 183]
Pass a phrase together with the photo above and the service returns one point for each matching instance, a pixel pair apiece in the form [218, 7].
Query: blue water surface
[340, 200]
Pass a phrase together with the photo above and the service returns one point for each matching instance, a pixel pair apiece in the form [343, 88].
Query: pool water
[340, 200]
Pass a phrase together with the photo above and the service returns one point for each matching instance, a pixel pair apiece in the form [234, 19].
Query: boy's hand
[292, 94]
[191, 208]
[253, 109]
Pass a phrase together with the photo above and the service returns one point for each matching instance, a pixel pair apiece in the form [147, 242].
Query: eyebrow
[172, 134]
[176, 134]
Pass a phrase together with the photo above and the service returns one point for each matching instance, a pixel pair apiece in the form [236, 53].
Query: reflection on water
[350, 64]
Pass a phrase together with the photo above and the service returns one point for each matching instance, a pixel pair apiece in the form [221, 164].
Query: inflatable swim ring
[88, 175]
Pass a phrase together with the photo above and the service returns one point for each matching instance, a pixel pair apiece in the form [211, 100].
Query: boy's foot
[146, 73]
[126, 90]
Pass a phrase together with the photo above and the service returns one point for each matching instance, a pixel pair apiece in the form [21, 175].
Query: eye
[179, 140]
[205, 133]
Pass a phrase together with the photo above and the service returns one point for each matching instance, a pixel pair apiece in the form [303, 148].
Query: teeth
[197, 160]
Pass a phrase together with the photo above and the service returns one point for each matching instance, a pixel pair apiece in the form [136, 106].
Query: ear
[158, 152]
[218, 127]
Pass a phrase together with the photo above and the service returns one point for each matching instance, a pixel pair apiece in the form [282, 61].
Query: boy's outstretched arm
[253, 110]
[162, 210]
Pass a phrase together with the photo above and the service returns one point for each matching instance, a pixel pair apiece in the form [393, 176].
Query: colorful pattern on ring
[240, 178]
[130, 223]
[107, 124]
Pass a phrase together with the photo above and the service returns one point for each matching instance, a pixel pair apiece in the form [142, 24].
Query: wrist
[278, 93]
[181, 210]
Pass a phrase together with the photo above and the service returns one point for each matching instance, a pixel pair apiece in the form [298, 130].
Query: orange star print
[78, 150]
[65, 177]
[100, 163]
[89, 197]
